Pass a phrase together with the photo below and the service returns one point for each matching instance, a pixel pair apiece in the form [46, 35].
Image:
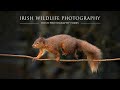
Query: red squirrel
[68, 45]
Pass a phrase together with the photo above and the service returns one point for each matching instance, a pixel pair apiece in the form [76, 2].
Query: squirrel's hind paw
[34, 59]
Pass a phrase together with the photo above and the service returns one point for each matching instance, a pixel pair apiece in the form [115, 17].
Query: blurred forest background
[18, 39]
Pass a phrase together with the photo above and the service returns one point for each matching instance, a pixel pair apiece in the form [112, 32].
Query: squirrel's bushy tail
[92, 53]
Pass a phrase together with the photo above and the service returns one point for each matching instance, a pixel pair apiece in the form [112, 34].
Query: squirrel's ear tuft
[40, 35]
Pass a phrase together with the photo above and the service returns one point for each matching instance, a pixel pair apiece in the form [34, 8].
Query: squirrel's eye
[37, 43]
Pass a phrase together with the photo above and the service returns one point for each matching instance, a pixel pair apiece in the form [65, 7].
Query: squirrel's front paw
[57, 59]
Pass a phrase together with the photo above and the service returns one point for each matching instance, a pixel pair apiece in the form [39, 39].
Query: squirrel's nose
[33, 46]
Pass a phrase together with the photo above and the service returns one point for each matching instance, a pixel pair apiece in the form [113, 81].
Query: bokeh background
[18, 39]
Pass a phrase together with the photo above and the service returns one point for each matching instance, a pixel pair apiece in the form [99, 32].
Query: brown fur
[68, 45]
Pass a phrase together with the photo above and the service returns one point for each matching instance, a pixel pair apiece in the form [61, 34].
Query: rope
[62, 60]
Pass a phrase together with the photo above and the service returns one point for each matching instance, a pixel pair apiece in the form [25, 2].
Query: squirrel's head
[39, 43]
